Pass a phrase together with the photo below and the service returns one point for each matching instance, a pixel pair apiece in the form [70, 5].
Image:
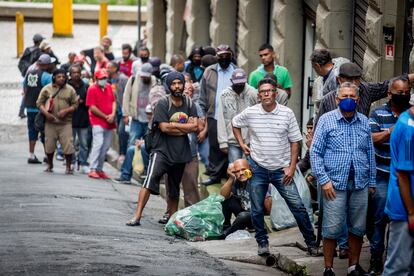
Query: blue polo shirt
[382, 118]
[402, 159]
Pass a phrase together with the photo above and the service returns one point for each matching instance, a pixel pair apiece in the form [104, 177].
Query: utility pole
[139, 25]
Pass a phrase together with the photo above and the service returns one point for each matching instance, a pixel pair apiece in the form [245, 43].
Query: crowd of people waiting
[359, 163]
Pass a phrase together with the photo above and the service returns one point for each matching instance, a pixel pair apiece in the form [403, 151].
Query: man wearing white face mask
[102, 110]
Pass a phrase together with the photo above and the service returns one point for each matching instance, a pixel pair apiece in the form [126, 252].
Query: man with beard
[215, 80]
[58, 126]
[382, 121]
[125, 65]
[233, 101]
[174, 117]
[80, 119]
[342, 158]
[273, 153]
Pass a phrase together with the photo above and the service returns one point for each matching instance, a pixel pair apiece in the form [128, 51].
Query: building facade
[375, 34]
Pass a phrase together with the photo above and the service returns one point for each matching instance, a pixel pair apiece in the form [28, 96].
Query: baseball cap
[38, 38]
[101, 74]
[239, 76]
[44, 59]
[223, 49]
[349, 70]
[146, 70]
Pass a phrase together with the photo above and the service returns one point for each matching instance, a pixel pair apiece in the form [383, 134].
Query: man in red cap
[102, 110]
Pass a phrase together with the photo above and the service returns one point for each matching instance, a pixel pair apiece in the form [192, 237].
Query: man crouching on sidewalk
[237, 198]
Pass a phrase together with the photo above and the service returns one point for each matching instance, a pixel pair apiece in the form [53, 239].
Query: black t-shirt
[240, 191]
[80, 118]
[175, 148]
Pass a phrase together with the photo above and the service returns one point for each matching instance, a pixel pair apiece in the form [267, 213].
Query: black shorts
[157, 167]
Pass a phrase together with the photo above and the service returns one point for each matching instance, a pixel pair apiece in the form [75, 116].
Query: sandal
[49, 170]
[133, 222]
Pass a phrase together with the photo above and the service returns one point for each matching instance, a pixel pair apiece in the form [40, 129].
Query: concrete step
[81, 12]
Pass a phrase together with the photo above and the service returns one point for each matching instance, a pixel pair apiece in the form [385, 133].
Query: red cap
[101, 74]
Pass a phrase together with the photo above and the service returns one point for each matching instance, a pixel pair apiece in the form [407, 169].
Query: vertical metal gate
[359, 43]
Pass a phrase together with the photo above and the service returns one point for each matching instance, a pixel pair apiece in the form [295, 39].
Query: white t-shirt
[270, 134]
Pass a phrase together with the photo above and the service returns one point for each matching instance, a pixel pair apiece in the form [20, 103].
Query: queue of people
[359, 163]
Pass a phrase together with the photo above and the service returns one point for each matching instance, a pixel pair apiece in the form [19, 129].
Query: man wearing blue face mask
[343, 161]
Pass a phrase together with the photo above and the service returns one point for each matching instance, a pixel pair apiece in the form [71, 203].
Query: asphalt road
[70, 225]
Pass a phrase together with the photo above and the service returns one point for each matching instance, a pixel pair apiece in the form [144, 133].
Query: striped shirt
[270, 134]
[339, 145]
[368, 94]
[382, 118]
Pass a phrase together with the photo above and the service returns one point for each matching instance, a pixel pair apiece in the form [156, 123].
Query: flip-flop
[48, 170]
[69, 172]
[133, 222]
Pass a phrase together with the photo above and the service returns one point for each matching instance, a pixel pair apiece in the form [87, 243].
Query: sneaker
[358, 271]
[263, 249]
[375, 266]
[94, 174]
[33, 160]
[84, 169]
[121, 180]
[59, 157]
[164, 219]
[314, 251]
[103, 175]
[328, 272]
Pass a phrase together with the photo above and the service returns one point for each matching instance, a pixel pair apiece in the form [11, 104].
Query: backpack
[152, 135]
[27, 59]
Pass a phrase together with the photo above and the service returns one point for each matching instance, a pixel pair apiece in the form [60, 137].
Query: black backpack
[152, 135]
[27, 59]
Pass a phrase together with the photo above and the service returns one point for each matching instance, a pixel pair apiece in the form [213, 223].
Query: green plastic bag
[201, 221]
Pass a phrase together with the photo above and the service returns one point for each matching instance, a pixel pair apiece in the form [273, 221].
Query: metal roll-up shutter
[359, 37]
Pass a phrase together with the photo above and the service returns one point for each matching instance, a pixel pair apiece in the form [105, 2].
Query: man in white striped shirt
[273, 153]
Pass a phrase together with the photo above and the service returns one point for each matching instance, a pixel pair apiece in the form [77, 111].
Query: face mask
[85, 80]
[144, 59]
[224, 62]
[102, 83]
[347, 105]
[197, 62]
[401, 101]
[238, 88]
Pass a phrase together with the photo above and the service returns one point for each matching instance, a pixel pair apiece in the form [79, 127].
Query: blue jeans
[400, 250]
[377, 219]
[82, 134]
[126, 169]
[203, 150]
[235, 152]
[136, 131]
[123, 137]
[259, 185]
[348, 208]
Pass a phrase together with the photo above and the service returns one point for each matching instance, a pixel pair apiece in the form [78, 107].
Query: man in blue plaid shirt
[342, 158]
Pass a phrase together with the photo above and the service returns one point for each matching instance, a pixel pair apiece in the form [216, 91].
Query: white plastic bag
[239, 235]
[280, 215]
